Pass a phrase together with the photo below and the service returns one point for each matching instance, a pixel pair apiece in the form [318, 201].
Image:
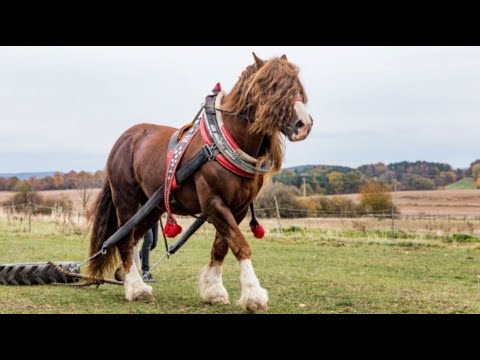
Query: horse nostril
[299, 124]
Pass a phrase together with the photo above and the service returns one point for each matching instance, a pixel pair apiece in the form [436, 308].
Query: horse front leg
[253, 298]
[210, 283]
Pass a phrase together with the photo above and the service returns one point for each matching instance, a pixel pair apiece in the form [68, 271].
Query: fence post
[393, 222]
[29, 216]
[278, 212]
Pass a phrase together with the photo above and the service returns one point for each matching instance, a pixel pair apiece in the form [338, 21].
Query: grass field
[322, 270]
[465, 183]
[437, 202]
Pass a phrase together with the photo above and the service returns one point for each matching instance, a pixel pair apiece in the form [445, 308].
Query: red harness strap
[174, 157]
[219, 157]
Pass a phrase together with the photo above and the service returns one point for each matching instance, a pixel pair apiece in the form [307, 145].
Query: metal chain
[164, 237]
[77, 285]
[166, 256]
[77, 267]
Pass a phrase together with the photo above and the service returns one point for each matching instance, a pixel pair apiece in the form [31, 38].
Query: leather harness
[218, 142]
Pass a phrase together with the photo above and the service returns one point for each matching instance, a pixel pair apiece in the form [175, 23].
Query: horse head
[279, 99]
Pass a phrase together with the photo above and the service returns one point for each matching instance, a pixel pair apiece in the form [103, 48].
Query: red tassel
[258, 230]
[172, 229]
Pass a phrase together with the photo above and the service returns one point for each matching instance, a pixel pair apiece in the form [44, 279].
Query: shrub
[336, 206]
[287, 198]
[375, 197]
[39, 205]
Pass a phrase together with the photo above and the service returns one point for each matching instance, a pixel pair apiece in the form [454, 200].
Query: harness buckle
[209, 150]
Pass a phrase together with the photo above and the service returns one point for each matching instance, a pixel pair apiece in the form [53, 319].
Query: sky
[62, 108]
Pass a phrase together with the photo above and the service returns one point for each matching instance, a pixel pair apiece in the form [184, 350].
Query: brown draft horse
[263, 105]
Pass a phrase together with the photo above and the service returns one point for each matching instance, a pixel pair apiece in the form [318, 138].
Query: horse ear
[258, 61]
[283, 57]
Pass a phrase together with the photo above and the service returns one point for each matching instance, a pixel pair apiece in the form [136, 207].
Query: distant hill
[316, 169]
[463, 184]
[26, 175]
[405, 175]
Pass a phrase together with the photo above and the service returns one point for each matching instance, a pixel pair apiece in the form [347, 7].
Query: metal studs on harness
[174, 156]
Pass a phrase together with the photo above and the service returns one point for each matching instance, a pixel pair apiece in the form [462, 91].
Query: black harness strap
[205, 154]
[186, 235]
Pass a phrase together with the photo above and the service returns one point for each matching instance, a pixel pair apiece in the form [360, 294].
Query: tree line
[59, 181]
[405, 175]
[312, 179]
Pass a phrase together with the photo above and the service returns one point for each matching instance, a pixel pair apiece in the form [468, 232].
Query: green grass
[320, 271]
[463, 184]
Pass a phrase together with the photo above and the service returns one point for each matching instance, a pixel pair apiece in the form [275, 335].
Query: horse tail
[104, 225]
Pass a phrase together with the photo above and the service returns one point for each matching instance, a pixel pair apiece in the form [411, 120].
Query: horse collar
[215, 132]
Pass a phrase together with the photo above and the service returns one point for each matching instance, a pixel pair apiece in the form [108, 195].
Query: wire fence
[377, 214]
[27, 216]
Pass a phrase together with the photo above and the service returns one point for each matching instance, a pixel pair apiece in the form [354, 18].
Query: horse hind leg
[210, 283]
[140, 230]
[135, 288]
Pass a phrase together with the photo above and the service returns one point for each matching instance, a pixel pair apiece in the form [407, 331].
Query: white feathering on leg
[254, 298]
[211, 287]
[136, 258]
[135, 288]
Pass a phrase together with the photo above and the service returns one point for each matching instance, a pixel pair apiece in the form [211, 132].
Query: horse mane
[267, 93]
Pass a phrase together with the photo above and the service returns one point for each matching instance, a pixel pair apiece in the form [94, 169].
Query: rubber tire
[35, 273]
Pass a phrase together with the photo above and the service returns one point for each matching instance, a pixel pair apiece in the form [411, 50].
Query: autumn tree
[12, 183]
[83, 182]
[337, 182]
[58, 180]
[476, 171]
[445, 178]
[375, 196]
[352, 182]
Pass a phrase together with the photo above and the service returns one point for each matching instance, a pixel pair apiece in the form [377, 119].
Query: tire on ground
[35, 273]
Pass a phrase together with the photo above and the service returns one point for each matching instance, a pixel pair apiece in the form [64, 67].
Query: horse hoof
[120, 274]
[141, 292]
[219, 301]
[254, 300]
[145, 297]
[256, 307]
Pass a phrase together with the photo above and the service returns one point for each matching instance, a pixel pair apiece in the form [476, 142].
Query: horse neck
[239, 129]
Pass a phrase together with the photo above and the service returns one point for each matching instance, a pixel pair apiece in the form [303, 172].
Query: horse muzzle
[302, 125]
[300, 130]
